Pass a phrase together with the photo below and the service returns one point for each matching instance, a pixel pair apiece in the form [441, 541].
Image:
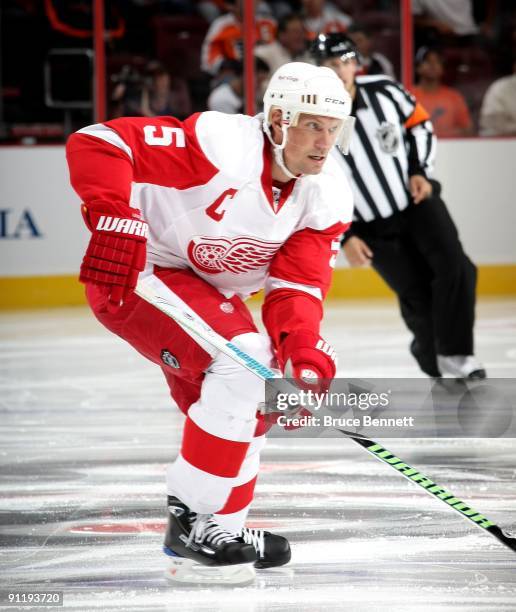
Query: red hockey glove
[309, 359]
[116, 252]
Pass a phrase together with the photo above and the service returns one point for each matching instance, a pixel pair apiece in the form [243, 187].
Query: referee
[401, 225]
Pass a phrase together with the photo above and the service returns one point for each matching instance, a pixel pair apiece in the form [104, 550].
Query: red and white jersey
[204, 187]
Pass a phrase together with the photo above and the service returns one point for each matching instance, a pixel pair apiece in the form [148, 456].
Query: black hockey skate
[200, 551]
[272, 550]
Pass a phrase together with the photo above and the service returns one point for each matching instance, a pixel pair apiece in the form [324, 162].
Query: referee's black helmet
[326, 46]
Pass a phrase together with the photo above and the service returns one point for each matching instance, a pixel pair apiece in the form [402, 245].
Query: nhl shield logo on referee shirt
[169, 359]
[388, 137]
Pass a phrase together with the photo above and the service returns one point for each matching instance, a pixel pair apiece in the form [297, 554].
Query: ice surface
[87, 429]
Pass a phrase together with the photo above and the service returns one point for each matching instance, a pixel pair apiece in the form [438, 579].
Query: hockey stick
[153, 291]
[410, 473]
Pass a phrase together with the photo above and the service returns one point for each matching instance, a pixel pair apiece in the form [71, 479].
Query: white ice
[87, 428]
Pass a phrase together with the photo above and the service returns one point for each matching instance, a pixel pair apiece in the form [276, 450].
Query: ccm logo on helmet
[123, 226]
[333, 101]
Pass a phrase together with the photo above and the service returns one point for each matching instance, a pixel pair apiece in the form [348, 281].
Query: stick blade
[506, 537]
[357, 437]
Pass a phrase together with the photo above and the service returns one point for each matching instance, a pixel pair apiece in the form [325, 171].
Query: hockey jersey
[224, 40]
[204, 187]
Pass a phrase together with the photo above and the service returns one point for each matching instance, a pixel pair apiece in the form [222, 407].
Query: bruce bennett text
[330, 421]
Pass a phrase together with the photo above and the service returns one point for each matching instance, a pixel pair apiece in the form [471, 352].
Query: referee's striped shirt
[392, 140]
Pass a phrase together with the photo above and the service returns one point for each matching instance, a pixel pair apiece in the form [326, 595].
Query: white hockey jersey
[204, 186]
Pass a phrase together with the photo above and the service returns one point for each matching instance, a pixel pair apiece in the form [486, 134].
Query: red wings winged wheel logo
[237, 255]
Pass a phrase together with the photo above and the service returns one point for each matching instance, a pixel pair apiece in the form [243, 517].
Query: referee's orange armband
[419, 115]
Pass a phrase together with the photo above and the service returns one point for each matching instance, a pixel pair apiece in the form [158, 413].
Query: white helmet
[297, 88]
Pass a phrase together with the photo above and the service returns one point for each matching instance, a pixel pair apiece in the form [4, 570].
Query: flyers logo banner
[237, 255]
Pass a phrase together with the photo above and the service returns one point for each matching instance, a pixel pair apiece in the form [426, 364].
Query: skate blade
[187, 572]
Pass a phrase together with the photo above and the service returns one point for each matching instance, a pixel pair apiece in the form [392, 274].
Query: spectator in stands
[290, 45]
[434, 19]
[163, 95]
[224, 38]
[282, 8]
[323, 17]
[228, 96]
[447, 108]
[126, 95]
[210, 9]
[371, 62]
[152, 95]
[498, 112]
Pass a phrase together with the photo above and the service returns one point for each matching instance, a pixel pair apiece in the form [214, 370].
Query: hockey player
[402, 226]
[215, 208]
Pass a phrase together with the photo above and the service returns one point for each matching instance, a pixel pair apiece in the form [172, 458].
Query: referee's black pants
[418, 254]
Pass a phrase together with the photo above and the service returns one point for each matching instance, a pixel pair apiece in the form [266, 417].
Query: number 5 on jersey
[164, 136]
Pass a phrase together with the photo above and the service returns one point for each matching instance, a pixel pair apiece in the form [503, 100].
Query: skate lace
[254, 537]
[205, 528]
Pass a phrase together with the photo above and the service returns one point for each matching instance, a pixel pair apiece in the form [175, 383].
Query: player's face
[346, 71]
[309, 143]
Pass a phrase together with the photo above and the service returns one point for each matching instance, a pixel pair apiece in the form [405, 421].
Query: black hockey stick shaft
[431, 487]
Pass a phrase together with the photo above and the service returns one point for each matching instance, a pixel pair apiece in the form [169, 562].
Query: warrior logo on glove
[116, 252]
[124, 226]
